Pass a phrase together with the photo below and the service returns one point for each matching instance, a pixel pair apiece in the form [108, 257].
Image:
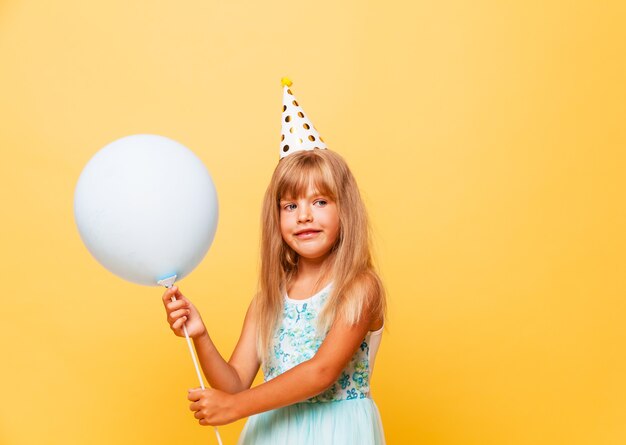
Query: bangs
[310, 172]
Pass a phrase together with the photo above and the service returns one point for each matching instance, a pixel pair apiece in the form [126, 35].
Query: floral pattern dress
[320, 419]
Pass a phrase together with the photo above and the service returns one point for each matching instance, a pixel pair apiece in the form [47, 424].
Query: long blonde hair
[355, 282]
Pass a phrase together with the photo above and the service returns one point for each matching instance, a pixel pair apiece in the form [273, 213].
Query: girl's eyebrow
[320, 195]
[311, 196]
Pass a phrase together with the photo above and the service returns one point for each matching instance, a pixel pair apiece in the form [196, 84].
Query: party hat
[298, 133]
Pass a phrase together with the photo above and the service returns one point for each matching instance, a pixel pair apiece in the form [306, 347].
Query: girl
[314, 325]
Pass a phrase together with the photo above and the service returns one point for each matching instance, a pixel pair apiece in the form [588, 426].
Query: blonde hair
[355, 282]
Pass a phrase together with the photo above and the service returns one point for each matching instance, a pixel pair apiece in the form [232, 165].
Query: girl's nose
[304, 214]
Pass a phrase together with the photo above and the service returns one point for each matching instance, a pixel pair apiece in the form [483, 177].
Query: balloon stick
[168, 282]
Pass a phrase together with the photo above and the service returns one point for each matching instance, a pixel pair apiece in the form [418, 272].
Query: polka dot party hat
[298, 133]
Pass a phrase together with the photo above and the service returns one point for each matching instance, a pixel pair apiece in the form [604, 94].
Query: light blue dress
[343, 414]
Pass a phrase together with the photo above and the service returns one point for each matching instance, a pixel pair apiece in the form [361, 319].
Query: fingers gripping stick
[169, 282]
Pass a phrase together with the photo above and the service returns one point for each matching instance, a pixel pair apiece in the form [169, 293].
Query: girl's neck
[308, 269]
[311, 276]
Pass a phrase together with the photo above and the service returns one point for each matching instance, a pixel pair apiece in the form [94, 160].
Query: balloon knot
[167, 282]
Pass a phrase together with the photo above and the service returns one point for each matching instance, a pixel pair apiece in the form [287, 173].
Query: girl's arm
[299, 383]
[233, 376]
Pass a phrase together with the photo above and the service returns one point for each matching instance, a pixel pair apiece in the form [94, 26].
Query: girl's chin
[312, 255]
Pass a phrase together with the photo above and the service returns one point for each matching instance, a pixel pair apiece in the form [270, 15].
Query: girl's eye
[290, 207]
[321, 202]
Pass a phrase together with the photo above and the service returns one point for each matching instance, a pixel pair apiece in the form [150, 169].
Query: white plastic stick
[193, 356]
[168, 282]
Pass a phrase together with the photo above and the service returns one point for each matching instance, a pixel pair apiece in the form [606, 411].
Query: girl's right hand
[181, 312]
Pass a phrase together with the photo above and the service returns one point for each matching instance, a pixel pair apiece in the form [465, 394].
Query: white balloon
[146, 208]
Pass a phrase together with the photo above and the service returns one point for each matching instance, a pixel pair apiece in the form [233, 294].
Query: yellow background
[487, 137]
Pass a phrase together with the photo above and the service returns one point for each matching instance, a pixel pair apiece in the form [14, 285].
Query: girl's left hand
[212, 407]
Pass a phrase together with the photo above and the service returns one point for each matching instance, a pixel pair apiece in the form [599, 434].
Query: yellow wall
[489, 142]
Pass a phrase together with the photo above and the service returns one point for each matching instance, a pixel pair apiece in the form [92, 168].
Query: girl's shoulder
[369, 284]
[365, 296]
[375, 298]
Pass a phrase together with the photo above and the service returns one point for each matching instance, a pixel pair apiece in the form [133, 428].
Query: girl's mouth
[307, 234]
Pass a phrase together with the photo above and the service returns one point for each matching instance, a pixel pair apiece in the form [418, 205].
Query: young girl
[314, 325]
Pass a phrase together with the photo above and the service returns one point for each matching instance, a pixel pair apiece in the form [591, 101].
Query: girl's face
[309, 224]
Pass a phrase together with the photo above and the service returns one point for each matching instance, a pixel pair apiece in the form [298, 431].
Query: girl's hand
[212, 407]
[182, 311]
